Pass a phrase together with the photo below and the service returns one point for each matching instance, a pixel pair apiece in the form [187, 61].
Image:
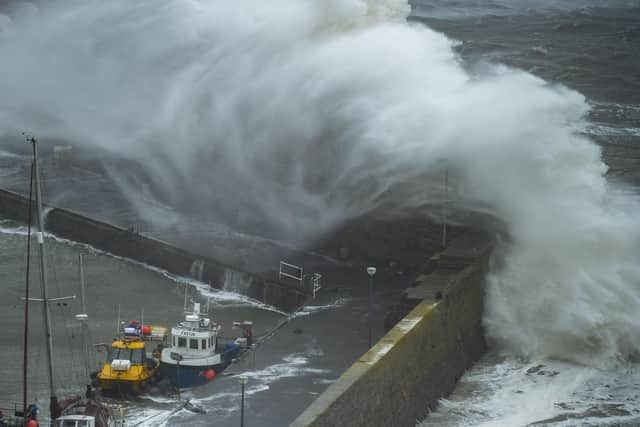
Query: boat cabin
[195, 336]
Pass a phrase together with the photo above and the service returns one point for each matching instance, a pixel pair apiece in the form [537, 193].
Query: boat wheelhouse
[128, 368]
[192, 358]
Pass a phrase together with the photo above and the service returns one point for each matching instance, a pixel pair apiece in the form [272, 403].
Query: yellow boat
[128, 368]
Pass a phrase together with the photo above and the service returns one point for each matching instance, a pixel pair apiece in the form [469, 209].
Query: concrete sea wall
[128, 244]
[421, 358]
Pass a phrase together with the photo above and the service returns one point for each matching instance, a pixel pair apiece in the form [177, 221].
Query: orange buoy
[210, 374]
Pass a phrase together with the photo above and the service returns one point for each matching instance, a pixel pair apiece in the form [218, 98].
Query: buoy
[31, 423]
[146, 329]
[210, 374]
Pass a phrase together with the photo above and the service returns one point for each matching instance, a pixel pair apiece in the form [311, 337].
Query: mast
[53, 403]
[83, 317]
[444, 207]
[25, 361]
[81, 273]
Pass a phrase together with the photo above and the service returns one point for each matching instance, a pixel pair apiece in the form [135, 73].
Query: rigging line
[65, 320]
[66, 335]
[25, 360]
[70, 337]
[83, 346]
[39, 367]
[91, 357]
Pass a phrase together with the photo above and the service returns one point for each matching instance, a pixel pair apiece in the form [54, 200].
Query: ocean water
[588, 46]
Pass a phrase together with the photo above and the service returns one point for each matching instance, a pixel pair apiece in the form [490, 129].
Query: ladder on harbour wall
[297, 273]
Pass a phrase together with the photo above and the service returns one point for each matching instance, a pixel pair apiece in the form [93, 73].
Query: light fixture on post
[243, 380]
[371, 271]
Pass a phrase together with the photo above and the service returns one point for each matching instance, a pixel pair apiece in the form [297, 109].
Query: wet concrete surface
[290, 369]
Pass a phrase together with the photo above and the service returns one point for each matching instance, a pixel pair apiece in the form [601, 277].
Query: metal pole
[178, 375]
[26, 300]
[118, 324]
[43, 280]
[370, 305]
[83, 317]
[444, 207]
[81, 267]
[242, 407]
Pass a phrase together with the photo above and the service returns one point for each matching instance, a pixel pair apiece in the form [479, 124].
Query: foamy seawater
[503, 391]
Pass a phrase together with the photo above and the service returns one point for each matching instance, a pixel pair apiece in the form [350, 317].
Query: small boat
[192, 357]
[129, 369]
[87, 412]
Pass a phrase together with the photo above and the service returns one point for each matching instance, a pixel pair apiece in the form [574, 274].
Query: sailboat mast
[43, 279]
[83, 317]
[25, 353]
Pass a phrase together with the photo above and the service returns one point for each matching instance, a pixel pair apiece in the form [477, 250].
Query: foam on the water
[311, 309]
[506, 392]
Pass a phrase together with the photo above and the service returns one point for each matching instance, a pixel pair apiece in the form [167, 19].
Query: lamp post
[242, 380]
[371, 271]
[177, 357]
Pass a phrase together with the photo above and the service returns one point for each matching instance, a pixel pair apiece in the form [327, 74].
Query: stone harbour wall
[421, 358]
[128, 244]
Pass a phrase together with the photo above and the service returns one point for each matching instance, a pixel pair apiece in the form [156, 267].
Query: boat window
[204, 344]
[120, 354]
[173, 340]
[193, 343]
[136, 356]
[182, 342]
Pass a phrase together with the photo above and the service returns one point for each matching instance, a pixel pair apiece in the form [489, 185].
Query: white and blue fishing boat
[192, 357]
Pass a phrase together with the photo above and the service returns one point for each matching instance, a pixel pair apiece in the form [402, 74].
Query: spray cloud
[307, 113]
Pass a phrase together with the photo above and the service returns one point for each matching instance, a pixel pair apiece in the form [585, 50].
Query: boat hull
[185, 376]
[124, 387]
[135, 380]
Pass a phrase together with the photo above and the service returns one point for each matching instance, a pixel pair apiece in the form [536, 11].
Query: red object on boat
[31, 423]
[210, 374]
[146, 329]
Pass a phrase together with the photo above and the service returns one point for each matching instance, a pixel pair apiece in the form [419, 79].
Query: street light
[242, 380]
[177, 357]
[371, 271]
